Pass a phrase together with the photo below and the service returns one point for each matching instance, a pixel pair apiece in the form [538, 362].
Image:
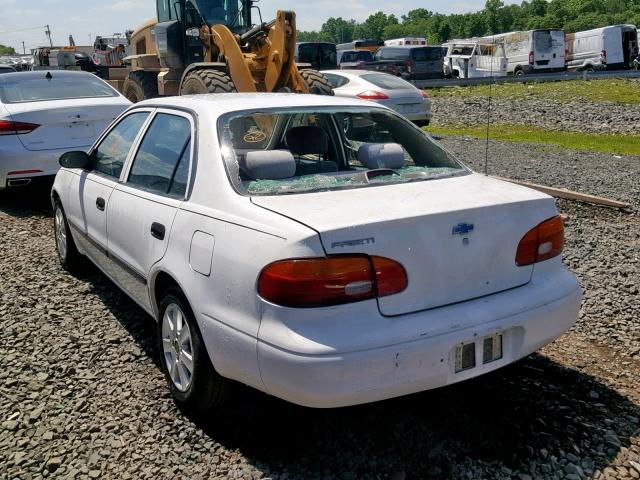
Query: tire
[519, 72]
[316, 82]
[68, 255]
[140, 86]
[202, 388]
[207, 81]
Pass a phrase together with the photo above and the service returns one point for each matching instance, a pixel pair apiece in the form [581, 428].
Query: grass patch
[604, 143]
[611, 90]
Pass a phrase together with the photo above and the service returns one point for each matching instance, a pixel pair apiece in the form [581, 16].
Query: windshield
[227, 12]
[386, 81]
[40, 88]
[305, 150]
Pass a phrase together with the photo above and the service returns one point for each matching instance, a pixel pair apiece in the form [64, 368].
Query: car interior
[356, 146]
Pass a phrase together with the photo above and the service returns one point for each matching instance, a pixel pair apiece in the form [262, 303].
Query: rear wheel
[519, 72]
[140, 86]
[316, 82]
[195, 385]
[207, 81]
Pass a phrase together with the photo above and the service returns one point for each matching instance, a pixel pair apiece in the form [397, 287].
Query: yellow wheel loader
[212, 46]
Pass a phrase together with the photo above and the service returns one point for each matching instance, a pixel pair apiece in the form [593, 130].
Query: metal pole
[24, 50]
[48, 33]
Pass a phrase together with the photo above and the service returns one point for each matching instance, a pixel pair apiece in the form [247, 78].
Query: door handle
[100, 203]
[157, 231]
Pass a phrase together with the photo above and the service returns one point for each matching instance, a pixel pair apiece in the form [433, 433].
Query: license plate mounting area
[465, 353]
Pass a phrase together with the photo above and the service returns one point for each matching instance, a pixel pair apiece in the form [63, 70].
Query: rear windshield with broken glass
[285, 151]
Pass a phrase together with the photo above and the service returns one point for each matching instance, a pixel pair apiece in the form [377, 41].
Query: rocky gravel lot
[81, 394]
[565, 114]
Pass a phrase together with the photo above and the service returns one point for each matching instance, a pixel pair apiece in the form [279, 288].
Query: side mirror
[76, 159]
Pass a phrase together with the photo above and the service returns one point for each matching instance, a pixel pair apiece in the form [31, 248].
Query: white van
[612, 48]
[394, 42]
[474, 59]
[533, 51]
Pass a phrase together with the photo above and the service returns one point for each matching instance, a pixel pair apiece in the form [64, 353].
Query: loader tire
[140, 86]
[316, 82]
[207, 81]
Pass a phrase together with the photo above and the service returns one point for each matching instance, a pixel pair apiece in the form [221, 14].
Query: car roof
[234, 102]
[41, 73]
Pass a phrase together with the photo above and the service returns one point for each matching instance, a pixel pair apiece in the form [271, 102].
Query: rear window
[389, 82]
[392, 54]
[426, 54]
[542, 42]
[286, 151]
[39, 88]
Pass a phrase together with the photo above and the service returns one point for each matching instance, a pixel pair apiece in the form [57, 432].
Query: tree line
[496, 17]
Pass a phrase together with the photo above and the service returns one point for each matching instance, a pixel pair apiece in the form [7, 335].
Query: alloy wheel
[177, 347]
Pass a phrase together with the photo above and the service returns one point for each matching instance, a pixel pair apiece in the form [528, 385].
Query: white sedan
[43, 114]
[385, 89]
[321, 249]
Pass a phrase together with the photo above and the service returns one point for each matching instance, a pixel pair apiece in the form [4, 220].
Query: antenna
[486, 149]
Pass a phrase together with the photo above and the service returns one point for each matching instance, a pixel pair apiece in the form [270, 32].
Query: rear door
[143, 206]
[90, 191]
[427, 62]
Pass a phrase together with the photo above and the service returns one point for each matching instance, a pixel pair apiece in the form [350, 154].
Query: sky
[25, 20]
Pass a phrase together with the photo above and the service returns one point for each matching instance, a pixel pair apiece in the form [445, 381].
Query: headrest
[307, 140]
[268, 164]
[381, 155]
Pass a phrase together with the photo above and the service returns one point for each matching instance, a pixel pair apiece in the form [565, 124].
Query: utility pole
[47, 32]
[24, 50]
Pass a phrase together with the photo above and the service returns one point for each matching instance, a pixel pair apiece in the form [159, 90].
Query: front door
[88, 214]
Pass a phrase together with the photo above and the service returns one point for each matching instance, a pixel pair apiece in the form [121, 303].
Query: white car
[321, 249]
[44, 114]
[385, 89]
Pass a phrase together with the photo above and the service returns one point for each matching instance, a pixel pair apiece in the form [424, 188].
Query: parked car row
[514, 53]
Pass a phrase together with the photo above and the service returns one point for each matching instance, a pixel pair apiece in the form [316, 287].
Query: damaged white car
[321, 249]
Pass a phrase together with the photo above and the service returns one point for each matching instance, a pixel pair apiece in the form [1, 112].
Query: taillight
[16, 128]
[334, 280]
[425, 94]
[541, 243]
[603, 57]
[530, 58]
[372, 95]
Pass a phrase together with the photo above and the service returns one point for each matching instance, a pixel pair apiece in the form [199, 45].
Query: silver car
[393, 92]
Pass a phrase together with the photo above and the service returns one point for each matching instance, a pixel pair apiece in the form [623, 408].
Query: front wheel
[207, 81]
[316, 82]
[195, 385]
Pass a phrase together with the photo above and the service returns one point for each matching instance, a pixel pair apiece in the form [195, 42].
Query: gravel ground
[81, 394]
[573, 115]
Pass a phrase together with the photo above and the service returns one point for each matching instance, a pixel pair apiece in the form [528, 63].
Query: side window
[178, 186]
[163, 153]
[110, 155]
[336, 81]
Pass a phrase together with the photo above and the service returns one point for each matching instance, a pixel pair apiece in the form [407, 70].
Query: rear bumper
[18, 163]
[428, 361]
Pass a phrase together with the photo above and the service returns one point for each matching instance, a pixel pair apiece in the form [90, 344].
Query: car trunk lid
[457, 238]
[70, 123]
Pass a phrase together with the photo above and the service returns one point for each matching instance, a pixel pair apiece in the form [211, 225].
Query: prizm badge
[354, 243]
[462, 229]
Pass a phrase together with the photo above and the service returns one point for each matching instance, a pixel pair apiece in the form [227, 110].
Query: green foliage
[609, 143]
[4, 50]
[496, 17]
[626, 91]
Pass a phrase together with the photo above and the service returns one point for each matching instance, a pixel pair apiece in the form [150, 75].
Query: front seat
[310, 140]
